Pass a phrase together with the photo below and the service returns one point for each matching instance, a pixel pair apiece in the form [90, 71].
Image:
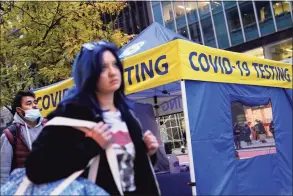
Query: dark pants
[237, 142]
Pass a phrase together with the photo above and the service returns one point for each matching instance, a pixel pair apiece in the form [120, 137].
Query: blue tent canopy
[153, 36]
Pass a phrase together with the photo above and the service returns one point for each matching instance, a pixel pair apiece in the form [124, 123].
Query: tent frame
[188, 135]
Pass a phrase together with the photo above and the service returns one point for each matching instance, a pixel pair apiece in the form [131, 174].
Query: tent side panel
[217, 170]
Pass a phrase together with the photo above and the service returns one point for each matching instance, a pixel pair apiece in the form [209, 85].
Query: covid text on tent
[202, 62]
[146, 70]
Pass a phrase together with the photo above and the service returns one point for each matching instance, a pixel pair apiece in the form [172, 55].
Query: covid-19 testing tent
[159, 64]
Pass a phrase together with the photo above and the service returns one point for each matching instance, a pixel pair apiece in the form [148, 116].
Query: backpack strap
[11, 133]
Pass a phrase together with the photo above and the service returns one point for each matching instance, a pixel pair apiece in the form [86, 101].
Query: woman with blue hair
[98, 96]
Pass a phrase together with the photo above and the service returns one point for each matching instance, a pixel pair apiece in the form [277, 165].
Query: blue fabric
[153, 36]
[80, 186]
[289, 93]
[146, 116]
[216, 169]
[175, 184]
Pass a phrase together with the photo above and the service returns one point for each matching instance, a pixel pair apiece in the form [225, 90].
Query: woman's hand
[151, 142]
[100, 133]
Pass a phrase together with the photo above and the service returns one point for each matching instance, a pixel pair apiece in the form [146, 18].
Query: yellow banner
[181, 59]
[49, 97]
[155, 67]
[200, 62]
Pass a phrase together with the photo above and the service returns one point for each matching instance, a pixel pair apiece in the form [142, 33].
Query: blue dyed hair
[87, 69]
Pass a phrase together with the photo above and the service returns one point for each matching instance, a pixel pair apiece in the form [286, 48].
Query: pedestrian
[17, 139]
[98, 96]
[260, 130]
[237, 133]
[237, 155]
[272, 128]
[247, 133]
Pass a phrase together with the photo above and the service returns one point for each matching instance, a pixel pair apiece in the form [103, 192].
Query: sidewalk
[177, 151]
[257, 144]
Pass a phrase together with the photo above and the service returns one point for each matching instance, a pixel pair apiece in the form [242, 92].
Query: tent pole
[188, 136]
[156, 106]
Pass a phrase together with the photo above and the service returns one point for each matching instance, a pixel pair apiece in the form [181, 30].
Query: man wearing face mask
[16, 140]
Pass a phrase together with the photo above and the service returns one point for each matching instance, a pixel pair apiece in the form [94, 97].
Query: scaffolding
[171, 129]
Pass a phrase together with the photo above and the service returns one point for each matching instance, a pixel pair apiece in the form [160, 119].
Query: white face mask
[32, 115]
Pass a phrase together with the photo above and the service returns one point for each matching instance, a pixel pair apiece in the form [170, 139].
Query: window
[229, 4]
[183, 31]
[168, 15]
[141, 16]
[171, 129]
[216, 6]
[127, 21]
[157, 14]
[193, 23]
[191, 12]
[265, 19]
[220, 26]
[248, 20]
[279, 51]
[234, 25]
[155, 3]
[206, 24]
[208, 32]
[203, 8]
[282, 14]
[253, 130]
[195, 32]
[180, 18]
[258, 52]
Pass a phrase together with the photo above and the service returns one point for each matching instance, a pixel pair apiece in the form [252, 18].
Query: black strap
[13, 129]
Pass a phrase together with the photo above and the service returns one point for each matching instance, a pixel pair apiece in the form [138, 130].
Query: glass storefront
[258, 52]
[279, 51]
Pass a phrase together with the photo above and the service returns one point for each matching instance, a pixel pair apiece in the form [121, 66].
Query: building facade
[260, 28]
[132, 19]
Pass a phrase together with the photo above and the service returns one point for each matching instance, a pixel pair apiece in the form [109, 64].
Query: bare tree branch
[33, 19]
[53, 22]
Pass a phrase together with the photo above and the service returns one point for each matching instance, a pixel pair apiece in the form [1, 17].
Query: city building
[133, 19]
[260, 28]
